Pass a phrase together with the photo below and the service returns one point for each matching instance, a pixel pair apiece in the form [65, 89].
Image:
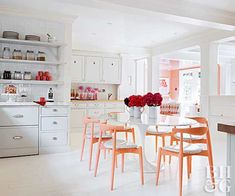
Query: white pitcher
[130, 111]
[137, 112]
[152, 112]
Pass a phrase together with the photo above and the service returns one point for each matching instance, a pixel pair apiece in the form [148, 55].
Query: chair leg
[116, 161]
[112, 171]
[126, 136]
[211, 169]
[189, 158]
[141, 165]
[156, 143]
[97, 160]
[122, 162]
[163, 145]
[180, 174]
[158, 165]
[91, 151]
[171, 143]
[83, 146]
[133, 136]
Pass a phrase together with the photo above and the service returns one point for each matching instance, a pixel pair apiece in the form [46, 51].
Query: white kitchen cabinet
[54, 129]
[17, 116]
[111, 71]
[77, 69]
[18, 130]
[93, 69]
[53, 139]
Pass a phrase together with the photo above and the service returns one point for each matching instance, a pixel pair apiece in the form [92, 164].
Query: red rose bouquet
[136, 100]
[153, 99]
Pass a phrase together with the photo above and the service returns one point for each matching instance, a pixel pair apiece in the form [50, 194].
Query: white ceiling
[106, 28]
[103, 29]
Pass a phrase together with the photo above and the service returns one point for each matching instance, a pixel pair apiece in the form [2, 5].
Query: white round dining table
[143, 123]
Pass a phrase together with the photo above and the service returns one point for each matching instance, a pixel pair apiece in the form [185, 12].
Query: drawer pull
[18, 116]
[54, 138]
[55, 123]
[55, 110]
[17, 137]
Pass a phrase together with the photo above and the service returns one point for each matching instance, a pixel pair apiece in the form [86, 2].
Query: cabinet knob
[94, 63]
[54, 138]
[17, 137]
[55, 110]
[55, 123]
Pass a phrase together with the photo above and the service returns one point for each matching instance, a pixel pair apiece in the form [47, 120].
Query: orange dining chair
[118, 146]
[188, 150]
[158, 132]
[133, 135]
[161, 132]
[91, 135]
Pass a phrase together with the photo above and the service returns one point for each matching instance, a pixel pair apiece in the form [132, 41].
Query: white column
[209, 75]
[155, 73]
[149, 81]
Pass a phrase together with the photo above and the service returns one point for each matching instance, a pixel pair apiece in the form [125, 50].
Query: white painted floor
[64, 175]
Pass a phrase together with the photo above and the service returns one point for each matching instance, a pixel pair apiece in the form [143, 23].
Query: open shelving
[30, 62]
[31, 43]
[33, 82]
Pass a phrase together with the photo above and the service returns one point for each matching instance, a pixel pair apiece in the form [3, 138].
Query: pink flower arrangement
[153, 99]
[81, 88]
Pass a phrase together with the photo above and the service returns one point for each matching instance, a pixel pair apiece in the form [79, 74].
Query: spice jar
[30, 55]
[18, 75]
[6, 53]
[17, 54]
[41, 56]
[27, 75]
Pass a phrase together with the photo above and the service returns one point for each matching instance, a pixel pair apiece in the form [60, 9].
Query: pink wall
[174, 84]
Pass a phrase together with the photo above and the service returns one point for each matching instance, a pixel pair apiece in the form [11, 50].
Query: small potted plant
[153, 101]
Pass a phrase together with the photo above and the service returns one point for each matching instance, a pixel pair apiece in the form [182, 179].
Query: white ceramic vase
[152, 112]
[131, 111]
[137, 112]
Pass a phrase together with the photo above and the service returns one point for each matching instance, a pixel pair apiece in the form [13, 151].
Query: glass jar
[27, 75]
[17, 54]
[18, 75]
[41, 56]
[6, 53]
[30, 55]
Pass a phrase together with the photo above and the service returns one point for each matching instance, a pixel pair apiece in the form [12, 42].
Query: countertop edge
[226, 128]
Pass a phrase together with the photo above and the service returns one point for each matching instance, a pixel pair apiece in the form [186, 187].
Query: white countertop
[33, 104]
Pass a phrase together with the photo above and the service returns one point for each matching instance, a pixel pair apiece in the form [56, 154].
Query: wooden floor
[64, 175]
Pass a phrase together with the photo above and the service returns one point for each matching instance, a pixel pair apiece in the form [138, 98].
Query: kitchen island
[229, 128]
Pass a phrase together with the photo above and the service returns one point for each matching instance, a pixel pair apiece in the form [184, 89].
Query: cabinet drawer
[95, 105]
[53, 139]
[55, 111]
[18, 137]
[95, 112]
[54, 123]
[13, 116]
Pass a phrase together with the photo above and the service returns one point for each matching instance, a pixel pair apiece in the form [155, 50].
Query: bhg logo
[222, 179]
